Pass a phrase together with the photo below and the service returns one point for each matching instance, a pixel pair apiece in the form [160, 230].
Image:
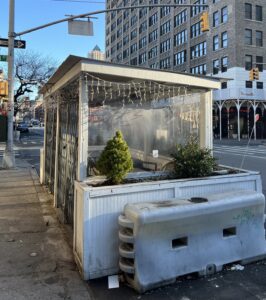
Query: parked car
[23, 127]
[34, 123]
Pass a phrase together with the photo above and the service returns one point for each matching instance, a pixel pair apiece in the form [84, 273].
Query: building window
[259, 39]
[134, 61]
[125, 40]
[143, 12]
[119, 45]
[165, 27]
[180, 57]
[142, 58]
[248, 62]
[165, 11]
[215, 19]
[119, 20]
[119, 57]
[201, 69]
[259, 85]
[142, 42]
[249, 84]
[133, 20]
[133, 34]
[133, 48]
[248, 11]
[259, 16]
[248, 36]
[215, 43]
[153, 52]
[153, 35]
[125, 14]
[195, 30]
[126, 26]
[259, 63]
[224, 40]
[195, 10]
[198, 50]
[180, 18]
[154, 66]
[215, 66]
[224, 64]
[126, 53]
[153, 19]
[224, 85]
[165, 63]
[224, 15]
[143, 26]
[180, 38]
[165, 46]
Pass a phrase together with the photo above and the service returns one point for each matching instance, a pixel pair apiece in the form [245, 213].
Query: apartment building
[171, 38]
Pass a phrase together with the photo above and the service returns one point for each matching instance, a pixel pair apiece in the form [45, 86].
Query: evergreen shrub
[115, 161]
[191, 161]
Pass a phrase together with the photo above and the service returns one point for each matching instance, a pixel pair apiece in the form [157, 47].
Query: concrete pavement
[36, 260]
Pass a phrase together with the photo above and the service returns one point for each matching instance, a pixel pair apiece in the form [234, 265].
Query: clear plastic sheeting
[152, 117]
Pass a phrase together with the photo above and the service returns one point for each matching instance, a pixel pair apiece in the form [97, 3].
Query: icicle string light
[141, 90]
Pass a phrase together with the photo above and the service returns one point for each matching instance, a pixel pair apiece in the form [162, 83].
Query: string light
[141, 89]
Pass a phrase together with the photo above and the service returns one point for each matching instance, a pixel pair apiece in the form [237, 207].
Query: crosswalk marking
[251, 151]
[2, 153]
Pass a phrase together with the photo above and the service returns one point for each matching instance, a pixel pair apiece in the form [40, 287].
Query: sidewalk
[36, 261]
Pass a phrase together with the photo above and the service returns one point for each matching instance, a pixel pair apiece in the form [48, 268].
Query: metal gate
[67, 152]
[50, 146]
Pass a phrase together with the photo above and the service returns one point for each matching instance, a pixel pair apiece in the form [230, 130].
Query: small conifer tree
[192, 161]
[115, 160]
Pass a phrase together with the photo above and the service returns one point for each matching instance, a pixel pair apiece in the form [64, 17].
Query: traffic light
[3, 88]
[204, 19]
[254, 74]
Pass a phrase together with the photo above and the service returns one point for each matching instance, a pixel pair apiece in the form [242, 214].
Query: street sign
[17, 44]
[3, 57]
[77, 27]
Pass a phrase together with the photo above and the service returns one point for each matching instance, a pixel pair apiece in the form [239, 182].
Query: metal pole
[220, 120]
[9, 156]
[97, 12]
[238, 106]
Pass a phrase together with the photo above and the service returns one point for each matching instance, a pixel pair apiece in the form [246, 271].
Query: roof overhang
[74, 65]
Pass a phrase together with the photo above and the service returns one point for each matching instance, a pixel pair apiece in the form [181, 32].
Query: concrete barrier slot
[180, 242]
[198, 200]
[231, 231]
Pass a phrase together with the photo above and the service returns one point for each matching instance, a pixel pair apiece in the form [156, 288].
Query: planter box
[96, 212]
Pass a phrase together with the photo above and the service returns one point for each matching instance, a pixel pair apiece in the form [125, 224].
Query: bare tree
[32, 70]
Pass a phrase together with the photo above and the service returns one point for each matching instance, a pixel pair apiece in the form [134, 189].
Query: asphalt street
[252, 157]
[28, 148]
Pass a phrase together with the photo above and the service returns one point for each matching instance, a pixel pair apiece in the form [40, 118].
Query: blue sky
[52, 41]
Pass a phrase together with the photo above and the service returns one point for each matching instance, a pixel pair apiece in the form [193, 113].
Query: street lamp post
[9, 156]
